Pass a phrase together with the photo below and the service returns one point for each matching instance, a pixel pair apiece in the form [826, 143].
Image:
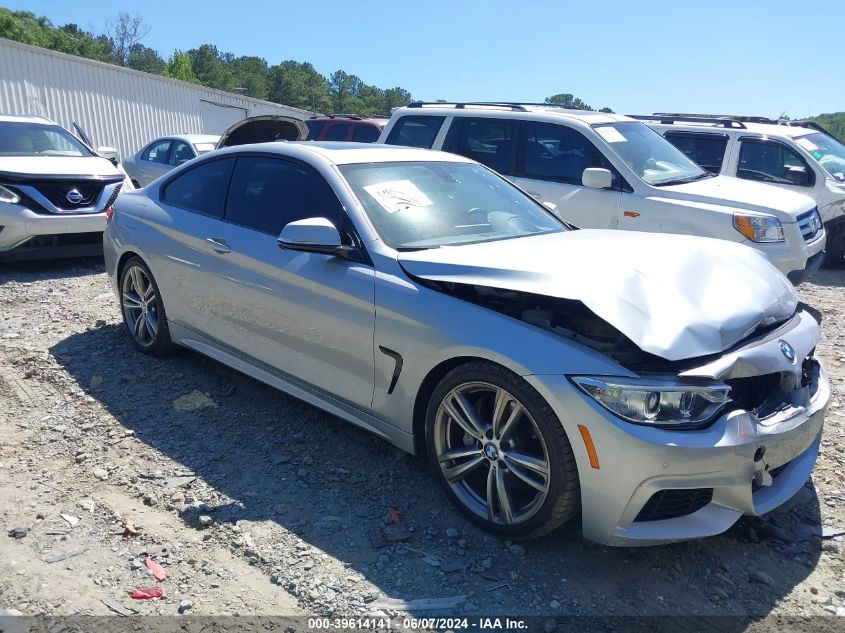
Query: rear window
[708, 150]
[314, 129]
[366, 133]
[415, 131]
[338, 132]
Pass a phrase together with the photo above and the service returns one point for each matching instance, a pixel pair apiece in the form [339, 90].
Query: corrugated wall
[116, 106]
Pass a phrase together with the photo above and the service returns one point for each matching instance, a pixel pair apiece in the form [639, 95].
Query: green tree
[298, 84]
[568, 101]
[179, 67]
[252, 74]
[146, 59]
[210, 67]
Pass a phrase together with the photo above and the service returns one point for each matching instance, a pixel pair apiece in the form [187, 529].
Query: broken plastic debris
[395, 516]
[830, 532]
[129, 528]
[158, 570]
[419, 604]
[71, 520]
[146, 593]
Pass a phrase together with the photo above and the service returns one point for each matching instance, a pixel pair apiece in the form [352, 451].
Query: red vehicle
[345, 127]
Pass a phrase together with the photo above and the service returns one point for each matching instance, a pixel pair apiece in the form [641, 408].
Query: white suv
[610, 171]
[54, 191]
[796, 155]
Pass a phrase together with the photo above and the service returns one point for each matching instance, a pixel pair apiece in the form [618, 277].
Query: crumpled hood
[677, 297]
[56, 166]
[735, 193]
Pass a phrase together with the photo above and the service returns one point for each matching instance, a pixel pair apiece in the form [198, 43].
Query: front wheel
[500, 452]
[835, 244]
[143, 309]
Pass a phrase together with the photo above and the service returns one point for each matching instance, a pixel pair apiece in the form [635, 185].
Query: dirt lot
[255, 503]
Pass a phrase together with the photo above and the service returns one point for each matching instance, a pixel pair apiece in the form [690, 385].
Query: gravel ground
[256, 503]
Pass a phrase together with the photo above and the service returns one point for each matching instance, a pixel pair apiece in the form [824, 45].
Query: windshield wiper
[681, 181]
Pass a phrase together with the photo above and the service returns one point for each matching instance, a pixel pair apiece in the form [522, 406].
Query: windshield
[418, 205]
[38, 139]
[829, 153]
[649, 155]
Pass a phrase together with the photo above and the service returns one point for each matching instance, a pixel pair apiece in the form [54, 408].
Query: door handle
[534, 194]
[219, 245]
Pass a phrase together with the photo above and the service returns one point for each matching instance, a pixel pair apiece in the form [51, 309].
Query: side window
[557, 152]
[266, 193]
[768, 161]
[314, 129]
[338, 132]
[157, 152]
[366, 133]
[201, 189]
[415, 131]
[707, 150]
[489, 141]
[182, 153]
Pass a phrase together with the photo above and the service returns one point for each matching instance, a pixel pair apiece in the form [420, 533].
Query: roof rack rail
[742, 118]
[812, 125]
[668, 119]
[517, 106]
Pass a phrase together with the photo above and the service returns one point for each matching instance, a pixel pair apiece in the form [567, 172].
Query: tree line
[290, 82]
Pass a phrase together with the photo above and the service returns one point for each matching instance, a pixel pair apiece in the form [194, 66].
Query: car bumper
[637, 462]
[21, 224]
[795, 258]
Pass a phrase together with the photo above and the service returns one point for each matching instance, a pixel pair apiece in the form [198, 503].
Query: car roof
[515, 111]
[24, 118]
[346, 153]
[749, 127]
[193, 138]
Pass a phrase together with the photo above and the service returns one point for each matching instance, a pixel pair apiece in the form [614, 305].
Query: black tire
[835, 243]
[548, 511]
[157, 343]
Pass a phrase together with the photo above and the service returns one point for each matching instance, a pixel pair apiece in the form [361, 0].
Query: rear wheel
[500, 452]
[143, 310]
[835, 243]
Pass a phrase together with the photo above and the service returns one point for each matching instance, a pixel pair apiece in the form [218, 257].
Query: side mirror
[109, 153]
[597, 178]
[313, 235]
[798, 176]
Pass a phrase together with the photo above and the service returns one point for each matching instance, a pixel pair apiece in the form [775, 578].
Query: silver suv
[796, 156]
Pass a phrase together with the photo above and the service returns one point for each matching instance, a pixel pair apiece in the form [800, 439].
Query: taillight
[109, 213]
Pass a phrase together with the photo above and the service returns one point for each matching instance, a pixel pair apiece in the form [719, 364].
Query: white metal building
[116, 106]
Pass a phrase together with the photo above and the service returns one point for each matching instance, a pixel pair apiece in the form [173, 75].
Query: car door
[775, 163]
[308, 315]
[190, 229]
[155, 161]
[181, 153]
[551, 162]
[488, 140]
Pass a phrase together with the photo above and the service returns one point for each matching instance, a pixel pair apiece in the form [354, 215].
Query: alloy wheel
[491, 453]
[140, 306]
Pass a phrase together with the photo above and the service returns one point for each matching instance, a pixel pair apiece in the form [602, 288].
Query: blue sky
[751, 57]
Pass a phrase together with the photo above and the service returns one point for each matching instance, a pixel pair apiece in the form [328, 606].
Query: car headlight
[759, 228]
[657, 403]
[7, 195]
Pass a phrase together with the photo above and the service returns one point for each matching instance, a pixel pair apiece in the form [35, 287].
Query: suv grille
[674, 503]
[810, 225]
[57, 193]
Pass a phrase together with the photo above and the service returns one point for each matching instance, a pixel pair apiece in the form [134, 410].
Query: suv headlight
[7, 195]
[759, 228]
[656, 403]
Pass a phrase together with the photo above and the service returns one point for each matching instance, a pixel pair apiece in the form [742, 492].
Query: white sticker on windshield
[611, 134]
[398, 195]
[807, 144]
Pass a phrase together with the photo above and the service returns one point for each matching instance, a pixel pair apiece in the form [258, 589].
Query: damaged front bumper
[657, 485]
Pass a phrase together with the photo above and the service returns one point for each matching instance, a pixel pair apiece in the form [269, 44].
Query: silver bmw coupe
[658, 387]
